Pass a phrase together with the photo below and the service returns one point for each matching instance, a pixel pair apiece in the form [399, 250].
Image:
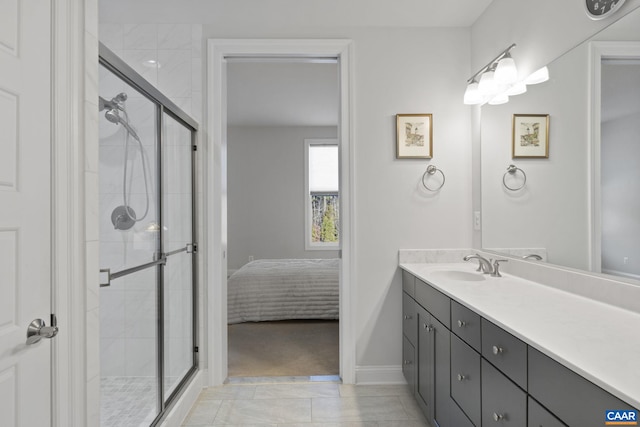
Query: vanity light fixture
[538, 76]
[506, 71]
[493, 79]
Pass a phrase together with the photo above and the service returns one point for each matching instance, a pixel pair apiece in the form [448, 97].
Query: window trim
[308, 244]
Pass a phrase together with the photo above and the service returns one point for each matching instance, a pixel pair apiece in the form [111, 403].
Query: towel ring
[431, 169]
[512, 169]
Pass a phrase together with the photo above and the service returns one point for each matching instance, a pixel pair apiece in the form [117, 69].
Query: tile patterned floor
[127, 401]
[305, 404]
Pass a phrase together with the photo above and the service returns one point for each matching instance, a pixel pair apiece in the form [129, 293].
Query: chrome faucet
[484, 265]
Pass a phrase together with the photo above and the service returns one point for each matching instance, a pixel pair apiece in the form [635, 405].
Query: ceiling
[282, 93]
[303, 13]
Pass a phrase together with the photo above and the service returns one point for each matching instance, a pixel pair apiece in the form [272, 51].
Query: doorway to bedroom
[283, 216]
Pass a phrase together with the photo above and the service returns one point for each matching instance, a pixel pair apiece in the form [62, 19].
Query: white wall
[542, 30]
[265, 192]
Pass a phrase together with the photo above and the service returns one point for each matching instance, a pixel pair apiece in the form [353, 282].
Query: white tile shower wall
[128, 307]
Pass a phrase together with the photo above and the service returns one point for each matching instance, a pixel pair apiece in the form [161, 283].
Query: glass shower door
[177, 239]
[129, 242]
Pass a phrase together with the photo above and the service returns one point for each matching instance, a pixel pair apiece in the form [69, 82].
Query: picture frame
[414, 136]
[530, 136]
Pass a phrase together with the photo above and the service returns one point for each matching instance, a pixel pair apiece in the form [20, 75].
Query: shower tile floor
[128, 401]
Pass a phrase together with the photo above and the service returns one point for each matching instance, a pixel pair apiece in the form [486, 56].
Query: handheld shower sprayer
[123, 216]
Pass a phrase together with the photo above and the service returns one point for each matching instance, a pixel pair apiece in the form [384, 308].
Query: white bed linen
[281, 289]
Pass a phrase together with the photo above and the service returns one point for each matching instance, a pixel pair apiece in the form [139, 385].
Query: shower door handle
[38, 329]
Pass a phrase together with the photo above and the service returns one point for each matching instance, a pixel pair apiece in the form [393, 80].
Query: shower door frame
[163, 105]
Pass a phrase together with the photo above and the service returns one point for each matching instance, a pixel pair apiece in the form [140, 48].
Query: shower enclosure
[147, 247]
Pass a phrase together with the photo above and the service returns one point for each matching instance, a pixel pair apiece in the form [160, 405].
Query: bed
[283, 289]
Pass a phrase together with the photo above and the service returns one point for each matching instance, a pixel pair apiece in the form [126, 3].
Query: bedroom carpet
[284, 348]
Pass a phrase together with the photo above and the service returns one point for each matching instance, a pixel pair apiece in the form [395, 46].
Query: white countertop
[601, 342]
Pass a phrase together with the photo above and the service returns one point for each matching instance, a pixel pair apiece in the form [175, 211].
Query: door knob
[38, 330]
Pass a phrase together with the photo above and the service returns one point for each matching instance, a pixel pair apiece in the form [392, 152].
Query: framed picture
[530, 136]
[415, 136]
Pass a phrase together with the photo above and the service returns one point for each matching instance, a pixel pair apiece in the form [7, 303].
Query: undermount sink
[464, 276]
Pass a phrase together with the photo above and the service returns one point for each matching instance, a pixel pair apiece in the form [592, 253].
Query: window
[321, 192]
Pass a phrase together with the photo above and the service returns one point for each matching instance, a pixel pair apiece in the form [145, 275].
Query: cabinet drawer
[503, 403]
[409, 318]
[465, 378]
[409, 283]
[409, 364]
[570, 397]
[466, 324]
[434, 301]
[505, 352]
[540, 417]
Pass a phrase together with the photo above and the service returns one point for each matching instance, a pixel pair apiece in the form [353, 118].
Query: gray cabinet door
[540, 417]
[436, 303]
[574, 400]
[409, 283]
[409, 318]
[425, 386]
[505, 352]
[465, 378]
[408, 363]
[442, 376]
[503, 403]
[465, 324]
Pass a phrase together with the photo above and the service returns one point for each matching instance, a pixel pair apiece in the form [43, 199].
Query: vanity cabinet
[570, 397]
[503, 402]
[466, 387]
[505, 352]
[540, 417]
[410, 339]
[465, 371]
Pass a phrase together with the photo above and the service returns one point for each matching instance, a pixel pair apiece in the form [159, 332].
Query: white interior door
[25, 210]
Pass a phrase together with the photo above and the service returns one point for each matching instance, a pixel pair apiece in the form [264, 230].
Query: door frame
[74, 247]
[215, 185]
[599, 50]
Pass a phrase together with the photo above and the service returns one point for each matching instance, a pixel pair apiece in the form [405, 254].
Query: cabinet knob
[429, 328]
[407, 362]
[407, 317]
[497, 417]
[461, 377]
[497, 350]
[461, 323]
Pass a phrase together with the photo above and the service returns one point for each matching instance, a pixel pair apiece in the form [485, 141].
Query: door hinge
[195, 148]
[195, 349]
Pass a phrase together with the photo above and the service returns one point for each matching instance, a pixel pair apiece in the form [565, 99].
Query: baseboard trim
[382, 374]
[181, 409]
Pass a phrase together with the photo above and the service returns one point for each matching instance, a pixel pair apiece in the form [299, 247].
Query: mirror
[552, 214]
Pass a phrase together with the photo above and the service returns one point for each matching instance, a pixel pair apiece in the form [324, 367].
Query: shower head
[115, 103]
[114, 117]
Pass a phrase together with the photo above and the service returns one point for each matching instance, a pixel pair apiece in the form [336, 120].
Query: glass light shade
[502, 98]
[487, 84]
[472, 95]
[506, 71]
[539, 76]
[517, 89]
